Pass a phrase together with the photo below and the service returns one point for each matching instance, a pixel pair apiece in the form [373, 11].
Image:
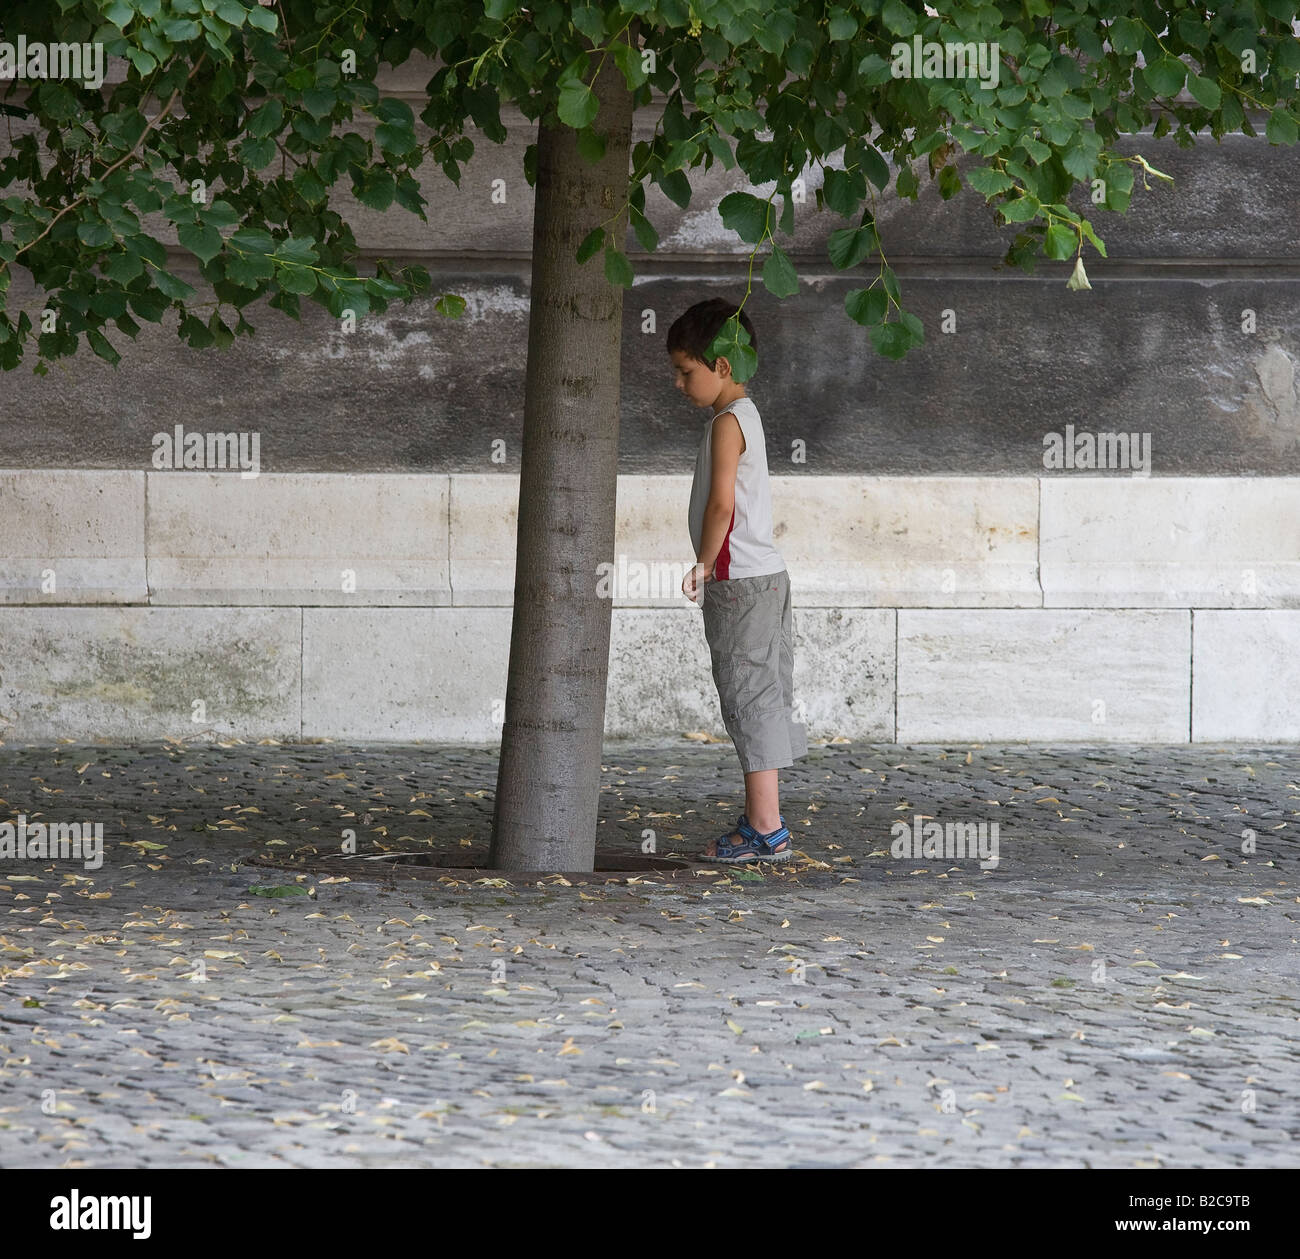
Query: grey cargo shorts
[749, 629]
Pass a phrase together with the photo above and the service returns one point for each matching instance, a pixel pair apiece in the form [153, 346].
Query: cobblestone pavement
[1119, 991]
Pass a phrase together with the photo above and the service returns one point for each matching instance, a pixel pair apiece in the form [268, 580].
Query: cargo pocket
[752, 660]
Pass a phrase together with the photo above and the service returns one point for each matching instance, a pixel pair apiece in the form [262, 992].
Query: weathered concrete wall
[1157, 346]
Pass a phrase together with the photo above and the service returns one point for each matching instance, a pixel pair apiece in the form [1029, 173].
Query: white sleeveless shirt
[748, 549]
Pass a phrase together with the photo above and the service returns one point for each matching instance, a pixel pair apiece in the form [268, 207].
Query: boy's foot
[745, 845]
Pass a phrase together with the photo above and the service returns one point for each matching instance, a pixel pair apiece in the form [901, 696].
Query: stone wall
[174, 604]
[946, 584]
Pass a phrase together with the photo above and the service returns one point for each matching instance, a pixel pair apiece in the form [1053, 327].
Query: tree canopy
[234, 123]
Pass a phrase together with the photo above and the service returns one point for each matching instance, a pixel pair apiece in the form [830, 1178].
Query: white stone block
[149, 673]
[71, 536]
[1182, 542]
[298, 538]
[1246, 676]
[484, 516]
[405, 674]
[844, 670]
[908, 541]
[1037, 674]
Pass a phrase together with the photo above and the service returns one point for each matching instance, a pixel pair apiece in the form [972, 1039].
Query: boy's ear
[723, 366]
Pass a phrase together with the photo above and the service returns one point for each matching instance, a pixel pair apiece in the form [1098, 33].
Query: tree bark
[548, 778]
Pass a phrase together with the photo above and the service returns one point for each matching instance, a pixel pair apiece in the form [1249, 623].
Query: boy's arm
[728, 442]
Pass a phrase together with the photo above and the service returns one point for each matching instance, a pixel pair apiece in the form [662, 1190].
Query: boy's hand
[693, 582]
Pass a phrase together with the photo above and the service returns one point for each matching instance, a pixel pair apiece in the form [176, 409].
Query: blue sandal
[777, 846]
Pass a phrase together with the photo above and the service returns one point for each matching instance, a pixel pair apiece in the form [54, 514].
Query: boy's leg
[747, 622]
[763, 800]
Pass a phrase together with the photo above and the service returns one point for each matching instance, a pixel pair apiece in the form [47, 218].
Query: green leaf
[676, 187]
[124, 267]
[102, 346]
[628, 60]
[842, 192]
[220, 214]
[296, 280]
[384, 288]
[171, 286]
[1281, 128]
[1077, 107]
[1126, 35]
[1036, 149]
[866, 306]
[257, 153]
[1079, 162]
[988, 181]
[319, 101]
[875, 167]
[1061, 241]
[281, 890]
[591, 145]
[267, 120]
[891, 340]
[180, 30]
[395, 139]
[396, 111]
[646, 235]
[593, 240]
[746, 215]
[779, 275]
[875, 70]
[841, 24]
[451, 305]
[144, 62]
[379, 190]
[898, 18]
[252, 240]
[577, 105]
[249, 272]
[151, 305]
[94, 235]
[618, 270]
[848, 246]
[296, 249]
[202, 241]
[949, 182]
[732, 343]
[1020, 209]
[1206, 91]
[262, 19]
[1165, 77]
[1097, 243]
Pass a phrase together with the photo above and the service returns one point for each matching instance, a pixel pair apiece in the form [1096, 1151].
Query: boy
[743, 579]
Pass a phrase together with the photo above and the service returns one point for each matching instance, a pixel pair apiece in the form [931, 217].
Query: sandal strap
[767, 842]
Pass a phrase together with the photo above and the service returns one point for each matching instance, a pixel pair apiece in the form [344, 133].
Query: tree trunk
[548, 779]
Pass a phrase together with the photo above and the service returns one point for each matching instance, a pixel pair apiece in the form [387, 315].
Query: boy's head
[698, 376]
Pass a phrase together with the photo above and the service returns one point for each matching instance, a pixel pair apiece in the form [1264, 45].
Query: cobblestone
[1119, 991]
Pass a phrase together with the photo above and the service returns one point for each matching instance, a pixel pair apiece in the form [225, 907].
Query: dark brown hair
[694, 330]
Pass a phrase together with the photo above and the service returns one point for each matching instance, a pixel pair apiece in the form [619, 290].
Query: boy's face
[696, 381]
